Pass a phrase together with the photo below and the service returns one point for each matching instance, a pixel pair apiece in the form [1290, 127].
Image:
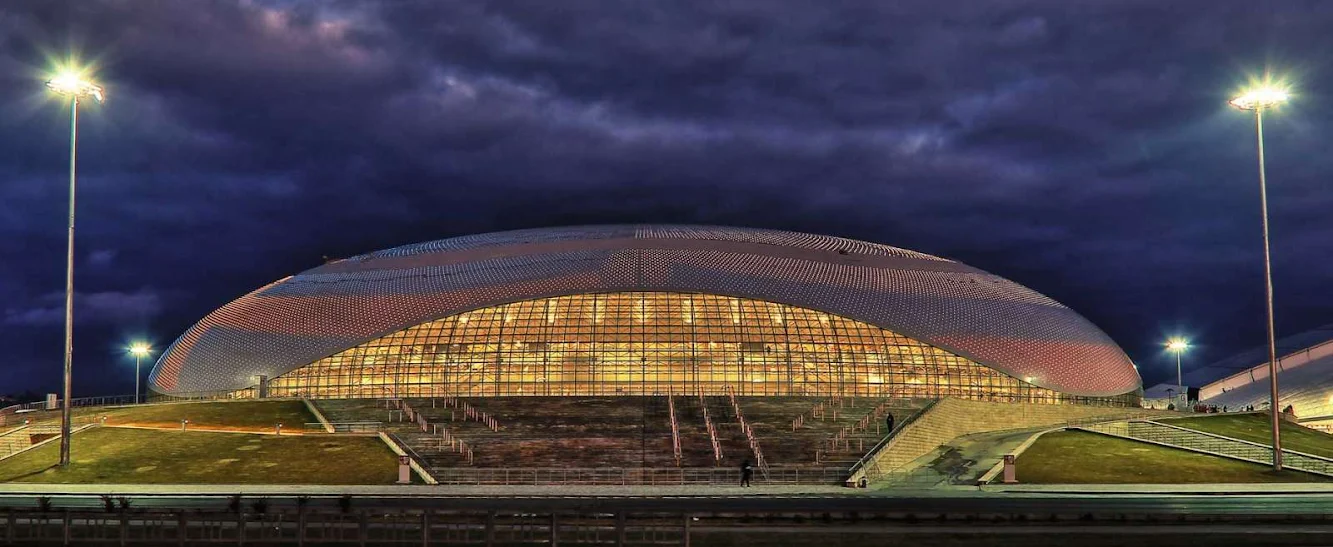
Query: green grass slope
[1080, 457]
[1258, 429]
[144, 456]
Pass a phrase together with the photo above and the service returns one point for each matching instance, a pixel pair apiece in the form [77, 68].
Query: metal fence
[347, 427]
[298, 527]
[106, 400]
[668, 476]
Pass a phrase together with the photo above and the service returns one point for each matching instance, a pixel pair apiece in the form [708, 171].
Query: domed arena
[655, 355]
[648, 310]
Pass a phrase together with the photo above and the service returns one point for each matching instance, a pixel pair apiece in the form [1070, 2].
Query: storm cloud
[1083, 149]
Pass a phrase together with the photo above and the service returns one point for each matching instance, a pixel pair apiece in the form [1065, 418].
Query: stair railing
[749, 434]
[675, 429]
[712, 431]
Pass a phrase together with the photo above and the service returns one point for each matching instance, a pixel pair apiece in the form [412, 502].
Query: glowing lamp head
[140, 349]
[73, 85]
[1260, 97]
[1177, 345]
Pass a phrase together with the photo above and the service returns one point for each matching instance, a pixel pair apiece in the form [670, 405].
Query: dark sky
[1084, 149]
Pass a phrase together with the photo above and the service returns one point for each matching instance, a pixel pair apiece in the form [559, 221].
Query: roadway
[698, 500]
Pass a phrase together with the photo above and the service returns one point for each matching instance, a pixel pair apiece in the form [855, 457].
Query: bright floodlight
[71, 84]
[1177, 345]
[1260, 97]
[140, 349]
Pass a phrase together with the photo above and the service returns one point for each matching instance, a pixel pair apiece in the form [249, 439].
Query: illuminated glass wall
[652, 343]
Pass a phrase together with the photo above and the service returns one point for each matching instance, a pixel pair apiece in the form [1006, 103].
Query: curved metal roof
[986, 318]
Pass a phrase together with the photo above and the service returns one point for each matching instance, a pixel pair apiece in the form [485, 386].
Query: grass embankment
[250, 415]
[145, 456]
[1080, 457]
[236, 416]
[1256, 428]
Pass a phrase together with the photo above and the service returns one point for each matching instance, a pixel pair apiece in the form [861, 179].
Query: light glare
[72, 84]
[140, 349]
[1177, 345]
[1265, 96]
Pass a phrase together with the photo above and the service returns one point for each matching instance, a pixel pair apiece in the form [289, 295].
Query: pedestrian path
[759, 490]
[959, 462]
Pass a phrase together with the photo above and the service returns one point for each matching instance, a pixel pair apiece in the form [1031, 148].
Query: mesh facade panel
[969, 313]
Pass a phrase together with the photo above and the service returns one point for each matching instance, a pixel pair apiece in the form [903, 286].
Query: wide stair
[801, 439]
[429, 444]
[549, 432]
[19, 439]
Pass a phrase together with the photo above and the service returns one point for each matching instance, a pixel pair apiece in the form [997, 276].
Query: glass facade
[653, 343]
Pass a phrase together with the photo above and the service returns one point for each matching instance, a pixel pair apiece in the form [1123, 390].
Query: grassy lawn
[1255, 428]
[1079, 457]
[741, 537]
[145, 456]
[242, 415]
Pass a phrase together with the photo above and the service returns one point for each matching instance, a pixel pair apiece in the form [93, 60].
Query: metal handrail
[675, 430]
[347, 427]
[402, 445]
[629, 475]
[712, 431]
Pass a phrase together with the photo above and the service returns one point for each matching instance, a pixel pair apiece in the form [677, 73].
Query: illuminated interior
[653, 343]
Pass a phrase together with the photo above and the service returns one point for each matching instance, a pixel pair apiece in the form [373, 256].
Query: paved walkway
[428, 491]
[1164, 489]
[959, 462]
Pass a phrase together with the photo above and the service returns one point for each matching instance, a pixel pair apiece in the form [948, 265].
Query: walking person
[746, 472]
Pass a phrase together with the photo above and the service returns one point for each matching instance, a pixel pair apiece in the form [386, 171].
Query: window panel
[652, 343]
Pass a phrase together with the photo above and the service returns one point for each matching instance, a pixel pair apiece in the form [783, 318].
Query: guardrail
[666, 476]
[104, 400]
[347, 427]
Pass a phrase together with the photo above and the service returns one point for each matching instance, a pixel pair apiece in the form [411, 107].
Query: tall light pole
[1257, 100]
[75, 87]
[1178, 346]
[139, 350]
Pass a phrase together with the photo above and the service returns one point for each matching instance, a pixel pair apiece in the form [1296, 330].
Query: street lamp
[139, 350]
[74, 86]
[1257, 100]
[1178, 346]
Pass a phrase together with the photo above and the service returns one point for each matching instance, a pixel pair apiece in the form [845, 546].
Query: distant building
[1305, 378]
[648, 310]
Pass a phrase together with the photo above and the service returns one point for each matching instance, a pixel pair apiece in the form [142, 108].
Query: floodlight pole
[137, 357]
[1179, 381]
[65, 411]
[1273, 409]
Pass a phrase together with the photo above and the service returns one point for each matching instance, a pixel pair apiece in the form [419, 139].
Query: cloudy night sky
[1084, 149]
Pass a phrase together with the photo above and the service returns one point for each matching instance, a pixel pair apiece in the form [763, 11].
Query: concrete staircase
[952, 418]
[1209, 443]
[23, 438]
[15, 441]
